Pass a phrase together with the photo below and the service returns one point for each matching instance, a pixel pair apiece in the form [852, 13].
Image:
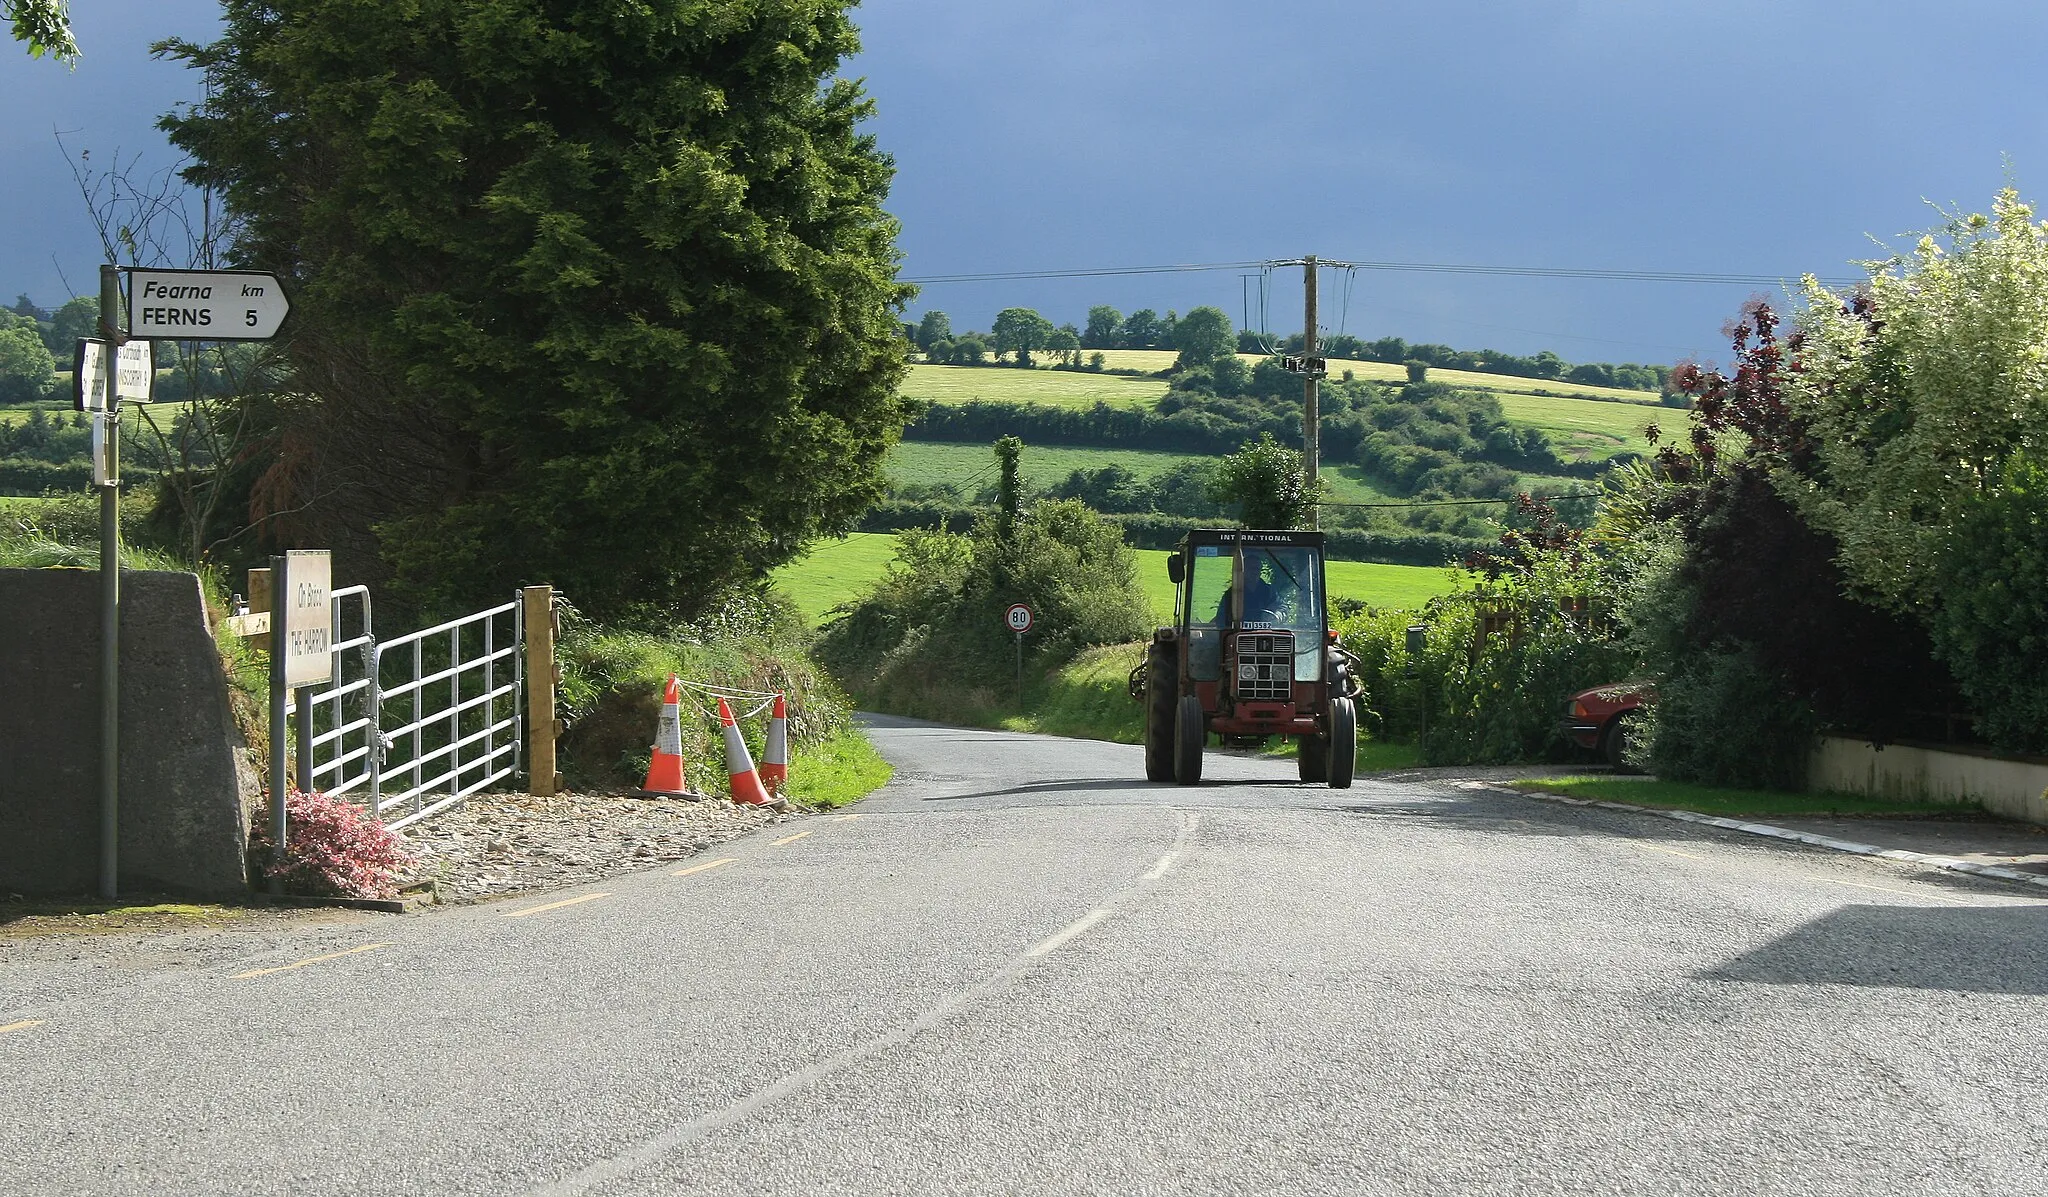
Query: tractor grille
[1265, 666]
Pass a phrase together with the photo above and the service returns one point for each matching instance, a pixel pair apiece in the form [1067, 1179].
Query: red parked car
[1597, 719]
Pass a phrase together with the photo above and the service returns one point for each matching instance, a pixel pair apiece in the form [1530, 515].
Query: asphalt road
[1021, 969]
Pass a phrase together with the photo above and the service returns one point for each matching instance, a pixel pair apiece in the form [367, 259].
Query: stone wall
[183, 825]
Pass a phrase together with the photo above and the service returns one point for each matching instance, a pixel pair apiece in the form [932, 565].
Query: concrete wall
[182, 805]
[2005, 786]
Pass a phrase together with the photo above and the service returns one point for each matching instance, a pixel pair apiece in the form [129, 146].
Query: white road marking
[1159, 870]
[1077, 927]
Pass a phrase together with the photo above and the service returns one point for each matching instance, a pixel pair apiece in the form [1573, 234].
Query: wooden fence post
[542, 727]
[259, 603]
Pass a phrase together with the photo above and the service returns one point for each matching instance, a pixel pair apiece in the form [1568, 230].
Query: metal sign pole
[1020, 671]
[280, 603]
[110, 597]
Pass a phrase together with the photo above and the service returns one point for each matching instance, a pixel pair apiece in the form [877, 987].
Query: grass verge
[842, 770]
[1089, 699]
[1713, 800]
[32, 917]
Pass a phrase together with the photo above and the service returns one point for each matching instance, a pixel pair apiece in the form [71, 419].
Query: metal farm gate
[417, 723]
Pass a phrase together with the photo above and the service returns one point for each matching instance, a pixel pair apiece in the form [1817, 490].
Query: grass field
[971, 467]
[840, 571]
[1582, 430]
[1060, 388]
[131, 414]
[1590, 431]
[1160, 359]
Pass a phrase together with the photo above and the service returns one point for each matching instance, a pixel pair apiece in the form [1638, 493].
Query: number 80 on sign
[1018, 618]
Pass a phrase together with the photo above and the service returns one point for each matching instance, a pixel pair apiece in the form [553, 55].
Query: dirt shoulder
[493, 846]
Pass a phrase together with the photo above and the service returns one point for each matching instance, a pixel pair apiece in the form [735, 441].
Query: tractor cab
[1249, 656]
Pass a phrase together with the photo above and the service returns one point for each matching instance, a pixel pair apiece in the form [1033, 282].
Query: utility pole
[1311, 399]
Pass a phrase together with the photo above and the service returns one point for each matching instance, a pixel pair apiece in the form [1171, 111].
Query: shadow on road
[1986, 949]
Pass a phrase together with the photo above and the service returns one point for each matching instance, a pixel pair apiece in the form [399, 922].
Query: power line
[1564, 272]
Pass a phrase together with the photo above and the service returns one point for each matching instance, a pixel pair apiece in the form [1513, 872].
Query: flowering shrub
[333, 850]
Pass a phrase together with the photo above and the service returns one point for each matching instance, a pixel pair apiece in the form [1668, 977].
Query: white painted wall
[2014, 789]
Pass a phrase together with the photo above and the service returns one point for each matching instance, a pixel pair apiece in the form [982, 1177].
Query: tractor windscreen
[1282, 590]
[1208, 610]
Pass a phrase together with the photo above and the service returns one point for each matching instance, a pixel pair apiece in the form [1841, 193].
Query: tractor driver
[1266, 600]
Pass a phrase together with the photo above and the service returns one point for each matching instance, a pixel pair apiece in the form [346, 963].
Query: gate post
[538, 616]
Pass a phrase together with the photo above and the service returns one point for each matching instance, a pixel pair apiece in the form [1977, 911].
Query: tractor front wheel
[1343, 749]
[1162, 687]
[1187, 741]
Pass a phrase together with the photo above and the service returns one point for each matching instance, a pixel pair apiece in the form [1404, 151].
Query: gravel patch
[500, 844]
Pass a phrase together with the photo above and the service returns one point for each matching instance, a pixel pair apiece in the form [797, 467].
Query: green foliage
[936, 327]
[1104, 323]
[44, 26]
[1727, 718]
[77, 319]
[1021, 330]
[26, 366]
[1991, 624]
[612, 682]
[1918, 395]
[1009, 494]
[1925, 399]
[606, 293]
[930, 640]
[1202, 336]
[1265, 481]
[1497, 697]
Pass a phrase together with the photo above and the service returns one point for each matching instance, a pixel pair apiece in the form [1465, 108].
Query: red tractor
[1249, 655]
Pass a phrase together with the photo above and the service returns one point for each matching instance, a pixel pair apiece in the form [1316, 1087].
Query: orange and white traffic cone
[775, 753]
[739, 764]
[665, 772]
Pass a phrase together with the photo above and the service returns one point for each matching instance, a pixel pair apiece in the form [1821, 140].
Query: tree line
[1208, 332]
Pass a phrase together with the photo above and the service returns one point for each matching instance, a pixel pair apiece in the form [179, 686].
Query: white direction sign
[135, 374]
[1018, 617]
[308, 618]
[205, 305]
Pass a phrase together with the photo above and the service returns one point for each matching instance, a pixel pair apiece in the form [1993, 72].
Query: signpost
[172, 305]
[301, 628]
[205, 305]
[1018, 620]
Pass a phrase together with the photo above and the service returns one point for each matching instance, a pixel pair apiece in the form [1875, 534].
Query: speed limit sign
[1018, 617]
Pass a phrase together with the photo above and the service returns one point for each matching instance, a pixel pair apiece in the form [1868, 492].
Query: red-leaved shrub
[332, 850]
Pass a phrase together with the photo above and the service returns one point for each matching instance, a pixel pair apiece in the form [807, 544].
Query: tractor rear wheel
[1343, 749]
[1162, 688]
[1187, 741]
[1312, 758]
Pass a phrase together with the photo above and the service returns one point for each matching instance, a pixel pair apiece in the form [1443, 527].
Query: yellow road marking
[285, 968]
[844, 818]
[700, 868]
[1672, 851]
[789, 839]
[1885, 889]
[520, 914]
[23, 1025]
